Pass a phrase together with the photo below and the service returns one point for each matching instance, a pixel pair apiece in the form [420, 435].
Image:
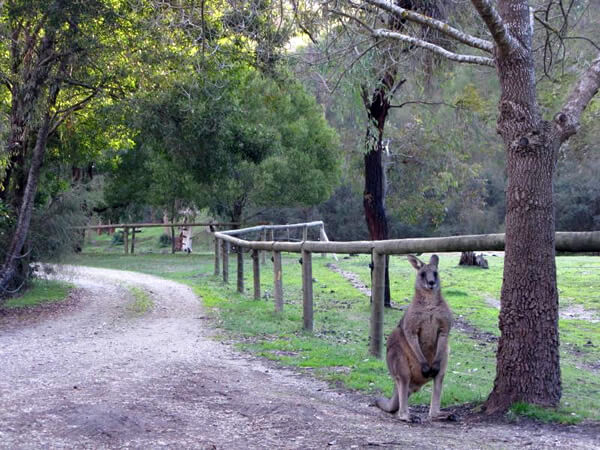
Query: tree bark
[374, 193]
[528, 367]
[8, 272]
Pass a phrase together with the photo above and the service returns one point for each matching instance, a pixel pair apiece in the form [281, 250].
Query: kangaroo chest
[427, 323]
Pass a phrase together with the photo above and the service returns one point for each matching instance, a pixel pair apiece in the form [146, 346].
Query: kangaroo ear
[434, 260]
[416, 262]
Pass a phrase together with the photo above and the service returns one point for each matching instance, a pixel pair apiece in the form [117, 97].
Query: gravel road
[92, 373]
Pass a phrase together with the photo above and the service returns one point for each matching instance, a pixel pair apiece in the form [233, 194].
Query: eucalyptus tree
[504, 36]
[263, 142]
[56, 58]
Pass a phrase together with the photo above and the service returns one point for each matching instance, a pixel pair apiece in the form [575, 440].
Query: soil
[92, 373]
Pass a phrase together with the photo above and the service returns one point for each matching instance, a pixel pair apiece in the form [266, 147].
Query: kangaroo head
[427, 274]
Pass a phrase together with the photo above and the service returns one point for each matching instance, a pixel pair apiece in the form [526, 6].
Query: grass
[142, 302]
[40, 292]
[146, 241]
[337, 351]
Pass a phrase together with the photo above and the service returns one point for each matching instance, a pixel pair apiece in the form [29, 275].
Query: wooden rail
[564, 241]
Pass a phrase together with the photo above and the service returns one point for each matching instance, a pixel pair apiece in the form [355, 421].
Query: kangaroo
[417, 349]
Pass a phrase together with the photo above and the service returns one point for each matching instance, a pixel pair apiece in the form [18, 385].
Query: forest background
[255, 111]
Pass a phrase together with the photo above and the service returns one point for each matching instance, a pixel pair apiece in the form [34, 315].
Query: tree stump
[471, 259]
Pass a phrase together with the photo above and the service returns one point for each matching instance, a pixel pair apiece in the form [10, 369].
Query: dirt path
[95, 375]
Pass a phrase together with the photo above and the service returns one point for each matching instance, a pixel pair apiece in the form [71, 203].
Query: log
[472, 259]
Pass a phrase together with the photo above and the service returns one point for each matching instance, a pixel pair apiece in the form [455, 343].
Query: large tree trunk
[528, 367]
[8, 273]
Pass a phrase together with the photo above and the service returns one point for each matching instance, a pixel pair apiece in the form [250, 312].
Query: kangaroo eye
[423, 275]
[434, 274]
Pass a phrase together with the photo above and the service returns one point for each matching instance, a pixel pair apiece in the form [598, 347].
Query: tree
[528, 358]
[53, 65]
[264, 141]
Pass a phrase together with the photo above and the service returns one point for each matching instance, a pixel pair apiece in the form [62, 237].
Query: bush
[164, 240]
[117, 238]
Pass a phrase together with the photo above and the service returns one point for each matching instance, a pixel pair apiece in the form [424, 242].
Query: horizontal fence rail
[133, 226]
[564, 241]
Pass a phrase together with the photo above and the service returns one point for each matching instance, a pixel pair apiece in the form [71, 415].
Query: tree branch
[504, 40]
[567, 121]
[468, 59]
[57, 121]
[435, 24]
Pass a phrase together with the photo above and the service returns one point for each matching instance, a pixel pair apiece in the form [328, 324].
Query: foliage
[164, 240]
[262, 142]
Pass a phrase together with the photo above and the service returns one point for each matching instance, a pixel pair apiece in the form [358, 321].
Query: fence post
[305, 234]
[256, 273]
[240, 269]
[263, 254]
[217, 259]
[133, 240]
[377, 299]
[172, 240]
[323, 237]
[307, 290]
[277, 281]
[126, 239]
[225, 246]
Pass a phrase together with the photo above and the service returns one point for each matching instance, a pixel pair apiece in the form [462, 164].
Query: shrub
[164, 240]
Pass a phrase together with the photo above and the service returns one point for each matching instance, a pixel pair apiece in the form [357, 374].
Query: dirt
[90, 373]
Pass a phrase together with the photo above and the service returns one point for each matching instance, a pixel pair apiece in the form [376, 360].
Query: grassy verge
[142, 302]
[337, 350]
[40, 292]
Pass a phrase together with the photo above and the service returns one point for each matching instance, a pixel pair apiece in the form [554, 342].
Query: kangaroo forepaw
[435, 369]
[425, 370]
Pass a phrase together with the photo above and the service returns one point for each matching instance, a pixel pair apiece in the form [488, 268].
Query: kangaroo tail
[389, 405]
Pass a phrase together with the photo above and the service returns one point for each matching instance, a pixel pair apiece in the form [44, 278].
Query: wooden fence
[565, 241]
[133, 226]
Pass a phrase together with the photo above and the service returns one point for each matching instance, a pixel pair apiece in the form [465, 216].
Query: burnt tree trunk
[374, 194]
[528, 367]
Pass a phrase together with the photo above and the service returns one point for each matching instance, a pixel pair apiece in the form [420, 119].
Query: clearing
[130, 360]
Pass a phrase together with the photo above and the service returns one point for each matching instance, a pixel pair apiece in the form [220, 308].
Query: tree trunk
[528, 367]
[8, 273]
[374, 204]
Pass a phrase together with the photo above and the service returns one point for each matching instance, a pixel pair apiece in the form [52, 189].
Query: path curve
[98, 376]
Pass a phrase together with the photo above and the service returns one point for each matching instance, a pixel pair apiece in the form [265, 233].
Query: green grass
[146, 241]
[337, 351]
[40, 292]
[142, 302]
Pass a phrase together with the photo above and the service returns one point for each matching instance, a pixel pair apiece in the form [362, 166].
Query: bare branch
[435, 24]
[504, 40]
[468, 59]
[567, 121]
[351, 65]
[422, 102]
